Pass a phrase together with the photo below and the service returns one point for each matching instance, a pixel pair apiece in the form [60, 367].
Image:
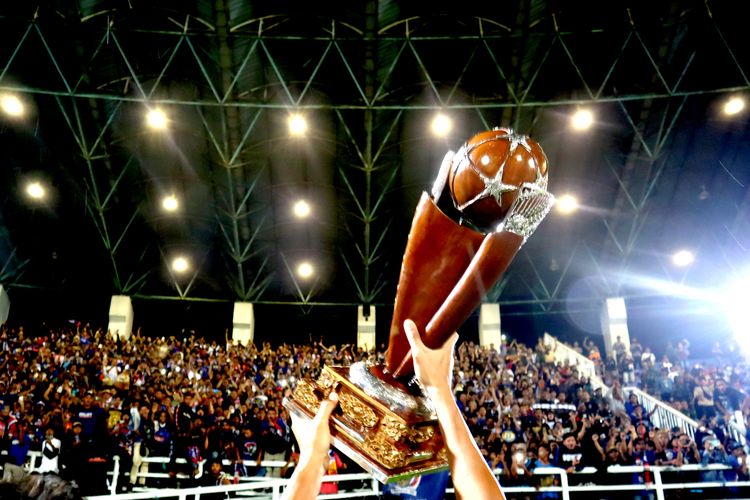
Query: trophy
[488, 198]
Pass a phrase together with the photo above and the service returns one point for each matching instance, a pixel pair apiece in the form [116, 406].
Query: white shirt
[51, 463]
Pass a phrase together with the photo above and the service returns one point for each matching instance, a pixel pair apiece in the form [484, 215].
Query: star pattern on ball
[494, 186]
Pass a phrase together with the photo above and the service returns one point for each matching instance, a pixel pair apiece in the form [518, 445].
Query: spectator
[274, 440]
[703, 398]
[713, 453]
[249, 453]
[619, 349]
[569, 455]
[648, 359]
[50, 453]
[737, 460]
[332, 465]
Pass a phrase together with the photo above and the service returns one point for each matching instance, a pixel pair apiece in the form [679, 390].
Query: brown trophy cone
[438, 251]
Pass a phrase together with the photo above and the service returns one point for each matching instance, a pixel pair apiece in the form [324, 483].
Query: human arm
[314, 438]
[472, 478]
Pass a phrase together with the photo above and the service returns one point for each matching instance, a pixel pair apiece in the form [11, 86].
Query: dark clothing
[564, 457]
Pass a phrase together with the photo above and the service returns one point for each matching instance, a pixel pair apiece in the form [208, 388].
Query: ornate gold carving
[358, 411]
[422, 434]
[397, 430]
[381, 435]
[393, 428]
[325, 380]
[385, 452]
[305, 395]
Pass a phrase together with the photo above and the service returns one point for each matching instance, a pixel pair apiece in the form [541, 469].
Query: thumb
[327, 406]
[452, 341]
[412, 335]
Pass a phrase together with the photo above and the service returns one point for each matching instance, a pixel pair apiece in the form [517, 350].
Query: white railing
[273, 488]
[736, 428]
[566, 355]
[664, 416]
[270, 488]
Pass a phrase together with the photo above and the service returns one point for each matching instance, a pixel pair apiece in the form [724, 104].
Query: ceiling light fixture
[305, 270]
[301, 209]
[297, 125]
[582, 120]
[35, 190]
[170, 203]
[734, 105]
[567, 204]
[683, 258]
[157, 119]
[12, 105]
[180, 264]
[441, 125]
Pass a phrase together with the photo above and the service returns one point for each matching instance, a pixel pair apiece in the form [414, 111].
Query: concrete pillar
[366, 328]
[614, 319]
[489, 326]
[120, 317]
[4, 305]
[243, 323]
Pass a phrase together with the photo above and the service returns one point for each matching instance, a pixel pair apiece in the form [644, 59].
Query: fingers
[327, 406]
[412, 335]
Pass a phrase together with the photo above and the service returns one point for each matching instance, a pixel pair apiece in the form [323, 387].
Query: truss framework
[242, 77]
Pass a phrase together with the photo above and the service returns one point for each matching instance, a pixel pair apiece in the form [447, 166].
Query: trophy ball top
[488, 171]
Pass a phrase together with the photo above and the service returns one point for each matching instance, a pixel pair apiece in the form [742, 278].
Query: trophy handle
[490, 262]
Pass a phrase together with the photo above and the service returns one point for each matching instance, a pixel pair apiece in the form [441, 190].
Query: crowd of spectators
[81, 397]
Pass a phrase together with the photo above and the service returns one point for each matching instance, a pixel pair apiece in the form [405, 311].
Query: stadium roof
[662, 168]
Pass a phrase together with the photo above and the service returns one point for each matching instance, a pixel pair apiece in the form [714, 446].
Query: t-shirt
[730, 400]
[565, 457]
[332, 466]
[249, 449]
[50, 456]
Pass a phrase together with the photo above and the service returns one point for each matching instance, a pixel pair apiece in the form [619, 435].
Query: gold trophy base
[389, 429]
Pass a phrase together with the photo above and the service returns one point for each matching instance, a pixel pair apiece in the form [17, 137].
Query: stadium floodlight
[297, 125]
[170, 203]
[35, 190]
[305, 270]
[441, 125]
[683, 258]
[180, 264]
[567, 204]
[582, 120]
[734, 105]
[301, 209]
[157, 119]
[12, 105]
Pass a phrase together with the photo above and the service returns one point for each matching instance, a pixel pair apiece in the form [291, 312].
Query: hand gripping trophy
[461, 241]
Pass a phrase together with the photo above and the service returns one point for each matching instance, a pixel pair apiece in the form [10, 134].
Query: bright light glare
[157, 119]
[582, 119]
[735, 302]
[567, 204]
[180, 265]
[683, 258]
[35, 190]
[170, 203]
[734, 106]
[441, 125]
[12, 105]
[297, 125]
[305, 270]
[301, 209]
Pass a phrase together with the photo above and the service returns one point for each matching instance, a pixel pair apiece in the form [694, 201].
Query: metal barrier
[272, 489]
[664, 416]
